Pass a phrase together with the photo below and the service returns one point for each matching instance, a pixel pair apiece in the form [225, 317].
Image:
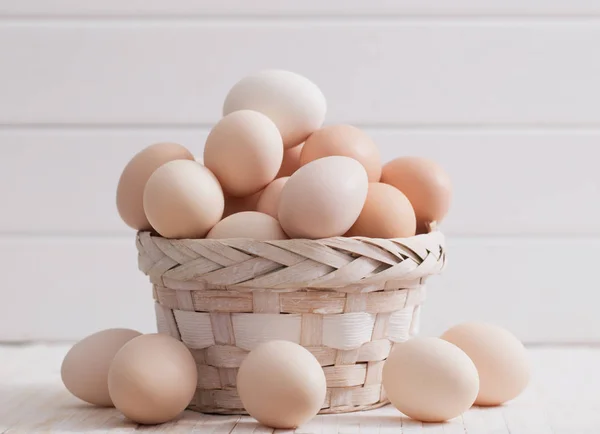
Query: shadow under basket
[347, 300]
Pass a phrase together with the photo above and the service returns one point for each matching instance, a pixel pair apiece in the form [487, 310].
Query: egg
[387, 213]
[239, 204]
[345, 140]
[152, 379]
[183, 199]
[281, 384]
[429, 379]
[130, 190]
[84, 370]
[244, 150]
[426, 185]
[323, 198]
[291, 161]
[500, 358]
[268, 202]
[293, 102]
[248, 224]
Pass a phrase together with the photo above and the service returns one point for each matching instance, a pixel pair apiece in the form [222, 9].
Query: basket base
[335, 410]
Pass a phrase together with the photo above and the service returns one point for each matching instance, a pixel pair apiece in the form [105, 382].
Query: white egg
[294, 103]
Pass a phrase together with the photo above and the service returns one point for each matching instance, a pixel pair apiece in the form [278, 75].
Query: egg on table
[344, 140]
[293, 102]
[130, 190]
[501, 360]
[152, 379]
[323, 198]
[248, 224]
[183, 199]
[84, 370]
[429, 379]
[244, 150]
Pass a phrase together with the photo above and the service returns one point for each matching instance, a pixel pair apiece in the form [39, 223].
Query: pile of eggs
[152, 378]
[271, 170]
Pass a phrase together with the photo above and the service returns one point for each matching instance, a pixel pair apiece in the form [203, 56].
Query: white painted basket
[347, 300]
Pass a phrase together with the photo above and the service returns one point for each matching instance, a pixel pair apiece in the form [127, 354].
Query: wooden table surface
[564, 397]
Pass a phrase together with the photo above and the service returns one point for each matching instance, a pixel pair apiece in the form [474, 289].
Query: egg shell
[291, 161]
[239, 204]
[429, 379]
[323, 198]
[293, 102]
[344, 140]
[84, 370]
[268, 202]
[152, 379]
[387, 213]
[244, 150]
[183, 199]
[130, 190]
[248, 224]
[281, 384]
[425, 183]
[501, 360]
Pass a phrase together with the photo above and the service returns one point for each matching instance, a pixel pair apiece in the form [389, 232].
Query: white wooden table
[564, 397]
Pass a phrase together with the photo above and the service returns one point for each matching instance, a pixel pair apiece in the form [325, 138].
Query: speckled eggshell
[130, 190]
[293, 102]
[501, 360]
[323, 198]
[429, 379]
[425, 183]
[291, 161]
[152, 379]
[248, 224]
[345, 140]
[268, 202]
[387, 213]
[281, 384]
[84, 370]
[183, 199]
[244, 150]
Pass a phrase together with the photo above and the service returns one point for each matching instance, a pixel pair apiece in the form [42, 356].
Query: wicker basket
[347, 300]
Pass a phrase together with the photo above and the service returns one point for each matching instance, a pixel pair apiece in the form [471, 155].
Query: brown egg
[152, 379]
[343, 140]
[268, 202]
[130, 191]
[244, 150]
[426, 185]
[323, 198]
[239, 204]
[248, 224]
[84, 370]
[387, 213]
[183, 199]
[291, 161]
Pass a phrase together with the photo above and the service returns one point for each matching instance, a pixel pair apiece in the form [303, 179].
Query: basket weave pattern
[347, 300]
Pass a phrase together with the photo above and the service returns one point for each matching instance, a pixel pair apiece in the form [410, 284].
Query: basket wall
[346, 300]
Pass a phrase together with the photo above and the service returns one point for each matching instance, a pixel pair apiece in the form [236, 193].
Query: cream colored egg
[291, 161]
[84, 370]
[239, 204]
[425, 183]
[429, 379]
[345, 140]
[293, 102]
[500, 358]
[268, 202]
[281, 384]
[130, 191]
[387, 213]
[248, 224]
[152, 379]
[244, 150]
[323, 198]
[183, 199]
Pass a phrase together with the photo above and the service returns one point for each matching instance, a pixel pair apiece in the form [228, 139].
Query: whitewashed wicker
[345, 299]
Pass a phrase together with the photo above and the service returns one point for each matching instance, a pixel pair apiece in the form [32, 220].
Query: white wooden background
[504, 93]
